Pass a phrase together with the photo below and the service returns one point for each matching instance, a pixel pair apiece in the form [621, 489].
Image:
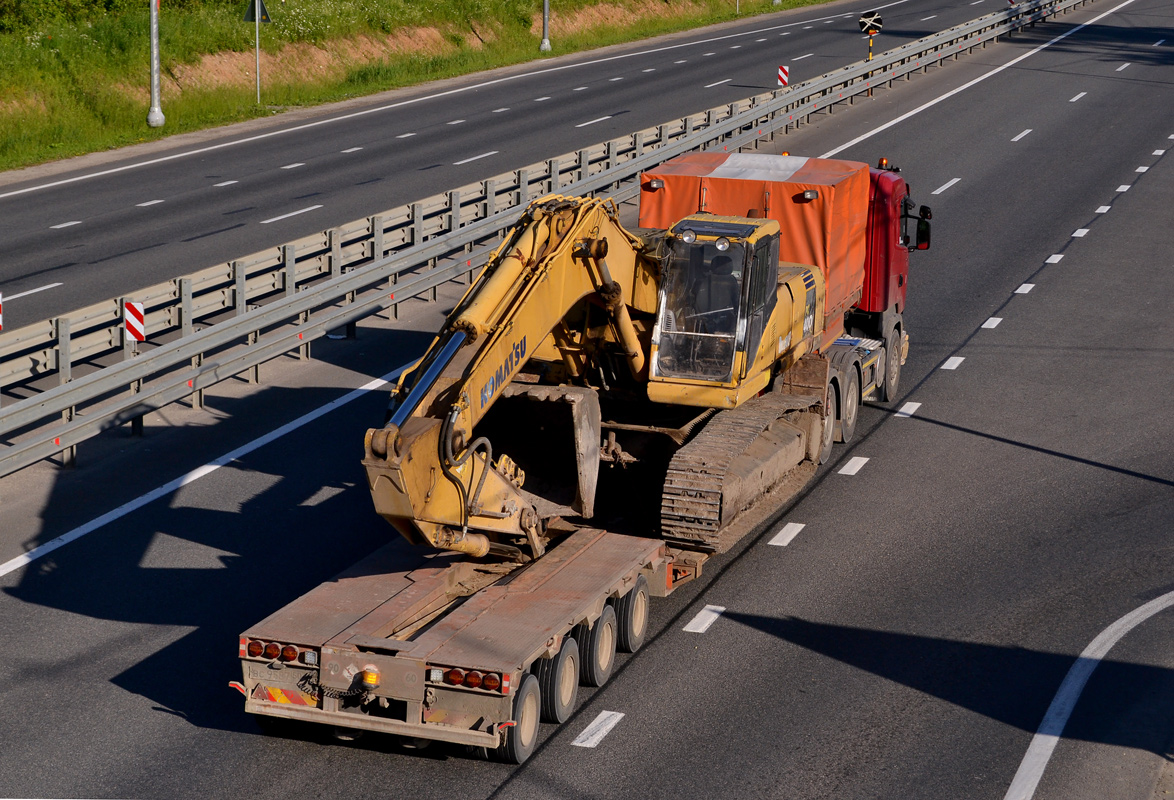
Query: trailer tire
[522, 737]
[849, 407]
[558, 678]
[598, 648]
[829, 425]
[632, 617]
[888, 390]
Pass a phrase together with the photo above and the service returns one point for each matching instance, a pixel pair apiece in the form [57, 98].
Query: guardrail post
[454, 210]
[376, 223]
[523, 187]
[552, 169]
[187, 328]
[391, 282]
[304, 347]
[431, 266]
[334, 241]
[417, 223]
[583, 167]
[490, 193]
[240, 300]
[64, 376]
[639, 143]
[290, 265]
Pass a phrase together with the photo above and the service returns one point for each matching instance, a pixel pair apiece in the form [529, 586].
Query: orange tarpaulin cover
[827, 232]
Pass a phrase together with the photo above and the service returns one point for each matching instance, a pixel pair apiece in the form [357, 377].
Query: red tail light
[473, 679]
[272, 650]
[491, 682]
[289, 653]
[255, 649]
[454, 676]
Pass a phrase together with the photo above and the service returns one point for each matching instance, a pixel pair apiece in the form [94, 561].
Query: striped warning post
[1, 311]
[784, 76]
[136, 327]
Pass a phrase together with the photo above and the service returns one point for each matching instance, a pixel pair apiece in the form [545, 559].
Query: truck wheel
[849, 408]
[598, 648]
[888, 391]
[522, 737]
[558, 678]
[829, 425]
[632, 617]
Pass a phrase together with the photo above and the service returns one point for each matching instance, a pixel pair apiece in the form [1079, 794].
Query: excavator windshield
[698, 320]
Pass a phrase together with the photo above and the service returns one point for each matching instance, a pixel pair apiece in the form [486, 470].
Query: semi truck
[602, 412]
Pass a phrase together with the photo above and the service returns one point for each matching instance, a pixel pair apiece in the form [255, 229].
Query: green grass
[77, 72]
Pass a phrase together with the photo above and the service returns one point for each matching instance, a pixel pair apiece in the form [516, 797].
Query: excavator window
[762, 292]
[699, 312]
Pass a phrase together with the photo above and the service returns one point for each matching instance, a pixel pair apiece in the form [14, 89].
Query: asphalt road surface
[905, 642]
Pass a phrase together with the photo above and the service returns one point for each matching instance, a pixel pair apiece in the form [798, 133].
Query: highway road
[900, 633]
[105, 226]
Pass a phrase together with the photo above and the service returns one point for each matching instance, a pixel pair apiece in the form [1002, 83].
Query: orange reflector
[272, 650]
[473, 679]
[371, 677]
[454, 676]
[255, 649]
[289, 653]
[491, 682]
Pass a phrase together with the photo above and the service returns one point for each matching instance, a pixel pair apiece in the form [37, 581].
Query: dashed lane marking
[718, 83]
[295, 166]
[705, 617]
[613, 80]
[290, 214]
[351, 150]
[854, 465]
[541, 99]
[1123, 187]
[907, 410]
[474, 158]
[735, 47]
[406, 135]
[33, 291]
[66, 224]
[1159, 152]
[1157, 43]
[503, 109]
[579, 89]
[650, 69]
[601, 726]
[1142, 169]
[992, 322]
[1123, 66]
[1103, 209]
[1020, 136]
[800, 58]
[1074, 99]
[1080, 233]
[593, 121]
[953, 362]
[789, 532]
[931, 16]
[1025, 288]
[945, 186]
[455, 122]
[148, 203]
[225, 183]
[1054, 259]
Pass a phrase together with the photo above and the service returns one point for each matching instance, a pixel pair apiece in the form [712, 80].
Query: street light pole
[155, 117]
[257, 45]
[545, 46]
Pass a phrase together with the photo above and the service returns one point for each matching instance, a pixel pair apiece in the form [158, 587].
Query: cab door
[761, 295]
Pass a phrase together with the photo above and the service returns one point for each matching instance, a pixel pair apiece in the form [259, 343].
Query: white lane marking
[705, 617]
[800, 58]
[225, 183]
[290, 214]
[601, 726]
[364, 112]
[1039, 752]
[507, 108]
[351, 150]
[808, 27]
[1074, 99]
[1142, 169]
[1025, 288]
[976, 2]
[1157, 43]
[33, 291]
[540, 99]
[789, 532]
[613, 80]
[945, 186]
[736, 47]
[592, 122]
[148, 203]
[650, 69]
[1123, 187]
[1020, 136]
[1080, 233]
[756, 41]
[406, 135]
[1159, 152]
[67, 224]
[785, 33]
[992, 322]
[455, 122]
[474, 158]
[927, 19]
[1054, 259]
[953, 362]
[294, 166]
[1103, 209]
[719, 83]
[682, 61]
[854, 465]
[907, 410]
[1123, 66]
[191, 477]
[709, 54]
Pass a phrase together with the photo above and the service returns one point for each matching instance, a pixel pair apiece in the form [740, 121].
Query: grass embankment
[76, 72]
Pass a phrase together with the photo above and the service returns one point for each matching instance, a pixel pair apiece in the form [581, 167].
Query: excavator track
[738, 460]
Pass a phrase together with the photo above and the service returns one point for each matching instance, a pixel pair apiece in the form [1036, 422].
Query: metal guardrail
[332, 279]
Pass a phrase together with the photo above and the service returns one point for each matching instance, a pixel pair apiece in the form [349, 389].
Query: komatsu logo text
[516, 356]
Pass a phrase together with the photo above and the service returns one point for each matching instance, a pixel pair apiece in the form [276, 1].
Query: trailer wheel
[888, 390]
[558, 678]
[522, 738]
[598, 648]
[849, 407]
[632, 617]
[829, 425]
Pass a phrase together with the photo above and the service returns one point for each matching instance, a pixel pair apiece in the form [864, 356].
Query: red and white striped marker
[1, 312]
[784, 75]
[135, 321]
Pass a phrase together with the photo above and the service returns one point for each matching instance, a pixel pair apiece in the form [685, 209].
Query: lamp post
[155, 117]
[545, 46]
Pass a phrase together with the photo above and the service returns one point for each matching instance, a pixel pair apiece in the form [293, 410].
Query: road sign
[870, 23]
[135, 321]
[251, 11]
[784, 76]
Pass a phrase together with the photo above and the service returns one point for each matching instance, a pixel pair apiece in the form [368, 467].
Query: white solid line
[1159, 152]
[474, 158]
[946, 186]
[705, 617]
[292, 166]
[800, 58]
[992, 322]
[1025, 288]
[1123, 187]
[1080, 233]
[1103, 209]
[1074, 99]
[1020, 136]
[405, 135]
[1142, 169]
[225, 183]
[789, 532]
[719, 83]
[1039, 752]
[423, 98]
[148, 203]
[967, 85]
[290, 214]
[854, 465]
[907, 410]
[927, 19]
[540, 99]
[953, 362]
[67, 224]
[352, 150]
[199, 472]
[33, 291]
[1123, 66]
[592, 122]
[593, 734]
[1054, 259]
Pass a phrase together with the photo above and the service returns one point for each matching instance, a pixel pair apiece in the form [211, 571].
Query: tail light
[255, 649]
[491, 682]
[289, 653]
[454, 676]
[473, 679]
[272, 650]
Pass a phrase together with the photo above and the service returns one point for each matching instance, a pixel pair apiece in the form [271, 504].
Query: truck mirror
[923, 232]
[925, 213]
